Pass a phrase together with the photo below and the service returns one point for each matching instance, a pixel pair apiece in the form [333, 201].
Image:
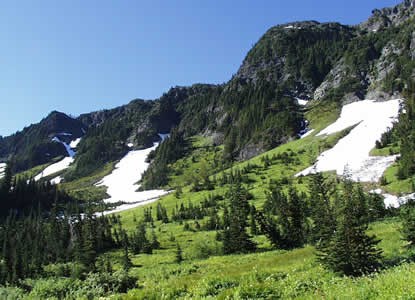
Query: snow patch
[62, 164]
[128, 206]
[301, 101]
[163, 136]
[68, 148]
[122, 182]
[292, 27]
[2, 168]
[55, 168]
[392, 200]
[56, 180]
[309, 132]
[351, 153]
[74, 143]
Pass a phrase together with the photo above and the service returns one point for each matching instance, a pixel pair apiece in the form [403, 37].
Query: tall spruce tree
[322, 210]
[408, 225]
[235, 236]
[351, 251]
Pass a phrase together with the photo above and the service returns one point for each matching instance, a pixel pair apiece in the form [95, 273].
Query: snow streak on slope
[2, 168]
[55, 168]
[74, 143]
[301, 101]
[392, 200]
[62, 164]
[68, 148]
[351, 153]
[122, 182]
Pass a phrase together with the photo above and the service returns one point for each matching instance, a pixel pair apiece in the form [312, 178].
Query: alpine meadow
[295, 179]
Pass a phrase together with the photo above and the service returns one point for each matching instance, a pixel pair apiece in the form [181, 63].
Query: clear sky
[77, 56]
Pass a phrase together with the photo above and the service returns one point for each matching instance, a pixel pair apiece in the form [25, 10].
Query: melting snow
[307, 133]
[392, 200]
[351, 153]
[292, 27]
[56, 180]
[122, 182]
[2, 168]
[301, 101]
[62, 164]
[123, 207]
[68, 148]
[163, 136]
[74, 143]
[54, 168]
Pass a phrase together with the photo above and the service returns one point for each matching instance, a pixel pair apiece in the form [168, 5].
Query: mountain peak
[389, 16]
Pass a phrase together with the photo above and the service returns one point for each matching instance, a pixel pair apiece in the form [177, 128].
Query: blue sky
[79, 56]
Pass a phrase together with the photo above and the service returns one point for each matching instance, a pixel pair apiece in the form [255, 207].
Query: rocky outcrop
[391, 16]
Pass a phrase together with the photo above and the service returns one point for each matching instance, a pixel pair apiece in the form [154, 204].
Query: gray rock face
[412, 46]
[249, 151]
[332, 81]
[390, 16]
[274, 57]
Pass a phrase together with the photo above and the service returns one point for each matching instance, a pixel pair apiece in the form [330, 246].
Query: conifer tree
[408, 224]
[235, 237]
[322, 212]
[351, 251]
[179, 254]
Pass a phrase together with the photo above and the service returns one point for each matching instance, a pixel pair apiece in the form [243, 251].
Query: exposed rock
[391, 16]
[250, 150]
[332, 81]
[382, 96]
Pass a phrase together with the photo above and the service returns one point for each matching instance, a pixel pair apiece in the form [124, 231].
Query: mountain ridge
[323, 62]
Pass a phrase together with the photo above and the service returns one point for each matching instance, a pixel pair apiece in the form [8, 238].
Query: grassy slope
[270, 274]
[84, 188]
[267, 274]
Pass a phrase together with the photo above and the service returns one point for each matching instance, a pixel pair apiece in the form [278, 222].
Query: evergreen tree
[408, 224]
[235, 237]
[351, 251]
[322, 212]
[179, 254]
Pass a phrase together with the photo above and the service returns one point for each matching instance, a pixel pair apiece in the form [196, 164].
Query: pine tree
[351, 251]
[126, 261]
[408, 225]
[179, 254]
[235, 237]
[322, 212]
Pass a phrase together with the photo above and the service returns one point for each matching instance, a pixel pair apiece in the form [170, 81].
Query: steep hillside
[328, 64]
[41, 143]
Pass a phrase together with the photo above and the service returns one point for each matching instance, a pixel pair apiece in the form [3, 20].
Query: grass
[322, 114]
[395, 185]
[85, 189]
[268, 275]
[248, 276]
[36, 170]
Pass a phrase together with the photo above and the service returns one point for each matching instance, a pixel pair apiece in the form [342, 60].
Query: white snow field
[309, 132]
[2, 168]
[301, 101]
[54, 168]
[392, 200]
[351, 153]
[122, 182]
[75, 143]
[62, 164]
